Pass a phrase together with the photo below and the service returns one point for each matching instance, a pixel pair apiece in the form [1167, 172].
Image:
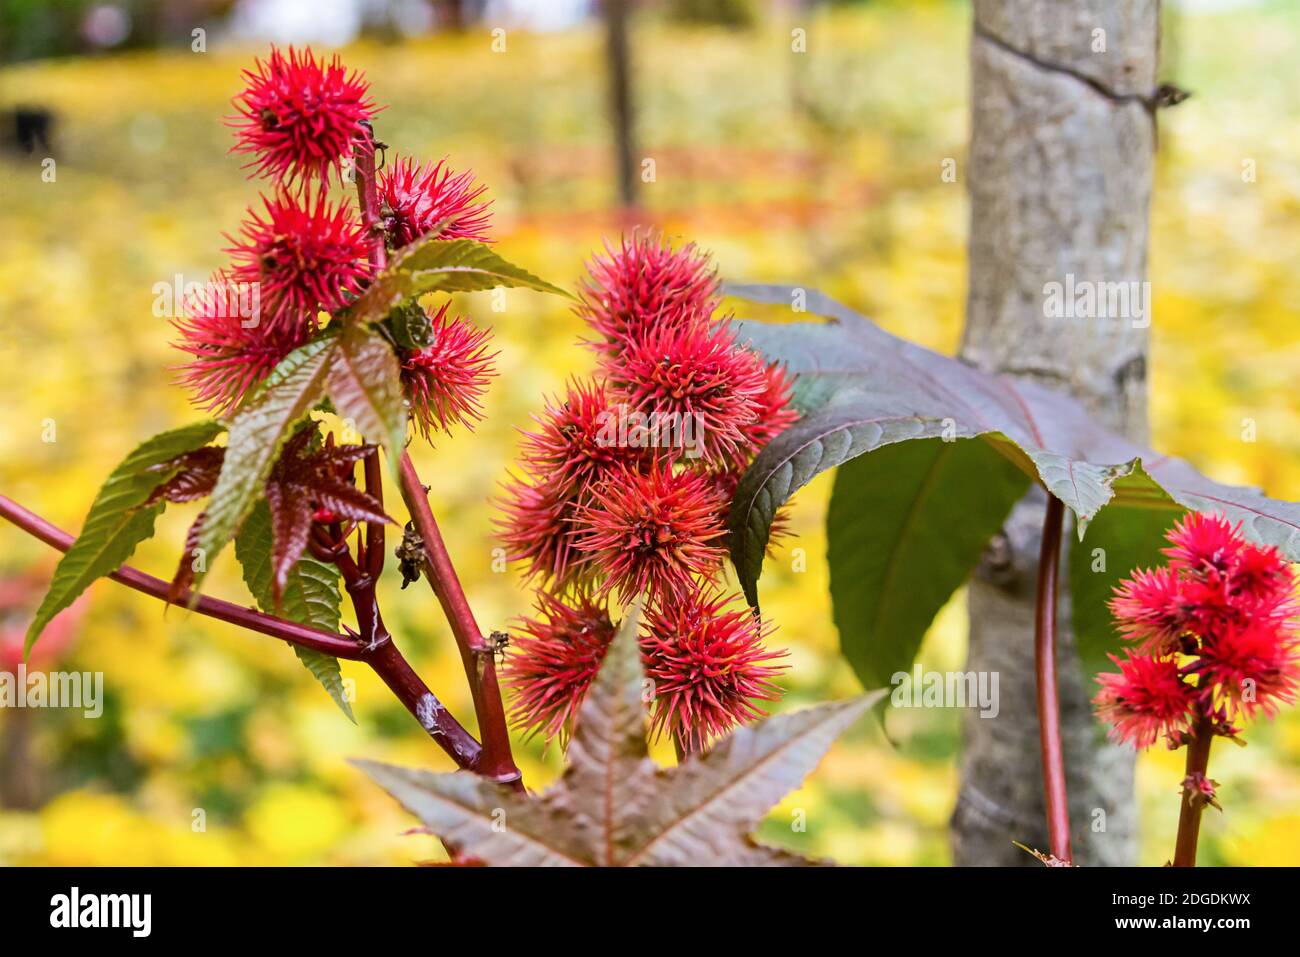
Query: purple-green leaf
[861, 388]
[614, 806]
[257, 433]
[364, 382]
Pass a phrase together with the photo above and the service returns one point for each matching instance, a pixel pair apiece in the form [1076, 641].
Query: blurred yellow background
[823, 170]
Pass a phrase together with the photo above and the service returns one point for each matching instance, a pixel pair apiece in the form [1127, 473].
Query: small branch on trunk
[1049, 708]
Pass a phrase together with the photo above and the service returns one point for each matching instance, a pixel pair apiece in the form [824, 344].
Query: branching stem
[480, 667]
[497, 761]
[381, 655]
[373, 644]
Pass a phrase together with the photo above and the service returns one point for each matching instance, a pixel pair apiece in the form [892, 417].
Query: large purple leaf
[614, 806]
[861, 388]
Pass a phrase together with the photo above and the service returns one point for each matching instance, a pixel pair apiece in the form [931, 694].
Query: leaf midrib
[736, 782]
[477, 814]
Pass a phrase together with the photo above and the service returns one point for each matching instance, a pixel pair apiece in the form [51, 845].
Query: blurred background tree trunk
[20, 780]
[1059, 176]
[618, 61]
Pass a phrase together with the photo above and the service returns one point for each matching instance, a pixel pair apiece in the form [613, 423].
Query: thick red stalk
[480, 666]
[1189, 818]
[363, 160]
[496, 761]
[1049, 709]
[374, 549]
[382, 656]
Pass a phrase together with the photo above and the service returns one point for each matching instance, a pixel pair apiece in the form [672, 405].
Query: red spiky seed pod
[299, 116]
[446, 380]
[417, 198]
[1226, 607]
[643, 284]
[1249, 668]
[232, 351]
[537, 528]
[1146, 699]
[306, 257]
[1202, 543]
[581, 439]
[708, 666]
[1151, 609]
[552, 660]
[773, 414]
[651, 531]
[1261, 579]
[691, 381]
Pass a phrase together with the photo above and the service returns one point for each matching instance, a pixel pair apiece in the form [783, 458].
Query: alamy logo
[1128, 300]
[57, 689]
[131, 911]
[226, 299]
[946, 689]
[626, 428]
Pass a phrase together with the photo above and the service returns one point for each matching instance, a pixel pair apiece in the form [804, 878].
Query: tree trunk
[618, 63]
[1062, 148]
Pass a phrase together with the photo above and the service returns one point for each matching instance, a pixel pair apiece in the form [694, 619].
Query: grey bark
[1059, 176]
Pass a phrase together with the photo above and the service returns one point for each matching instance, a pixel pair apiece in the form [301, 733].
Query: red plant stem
[496, 761]
[480, 667]
[401, 679]
[363, 159]
[383, 656]
[1189, 818]
[340, 646]
[374, 551]
[1049, 708]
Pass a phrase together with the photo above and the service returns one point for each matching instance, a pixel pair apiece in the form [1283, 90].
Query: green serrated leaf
[118, 520]
[364, 383]
[257, 432]
[311, 597]
[905, 528]
[441, 265]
